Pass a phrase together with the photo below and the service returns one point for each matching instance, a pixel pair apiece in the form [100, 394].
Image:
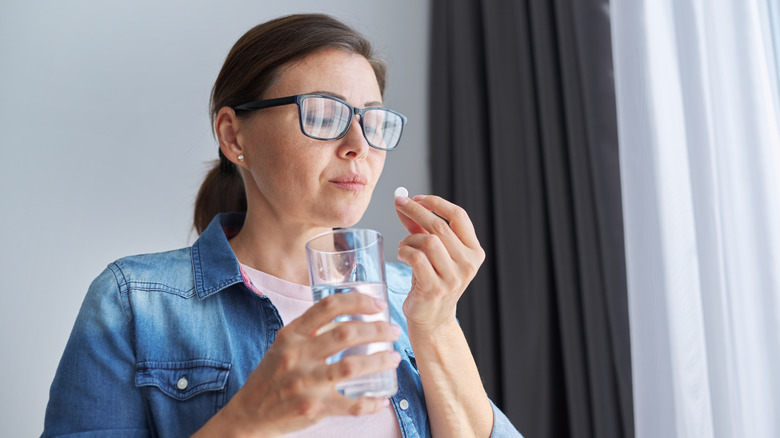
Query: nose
[354, 144]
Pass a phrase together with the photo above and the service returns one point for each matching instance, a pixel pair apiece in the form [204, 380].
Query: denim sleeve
[94, 392]
[502, 427]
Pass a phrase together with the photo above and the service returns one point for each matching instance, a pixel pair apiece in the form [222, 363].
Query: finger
[430, 251]
[426, 221]
[411, 226]
[459, 221]
[328, 308]
[352, 367]
[424, 273]
[437, 226]
[342, 405]
[342, 335]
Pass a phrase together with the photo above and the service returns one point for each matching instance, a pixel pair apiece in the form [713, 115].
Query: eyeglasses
[329, 118]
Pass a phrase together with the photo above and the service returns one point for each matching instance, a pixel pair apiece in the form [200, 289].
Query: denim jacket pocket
[184, 392]
[182, 380]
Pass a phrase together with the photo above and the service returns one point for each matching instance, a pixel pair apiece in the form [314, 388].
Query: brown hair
[249, 70]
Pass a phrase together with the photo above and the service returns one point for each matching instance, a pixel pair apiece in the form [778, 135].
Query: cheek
[286, 172]
[377, 164]
[280, 155]
[295, 173]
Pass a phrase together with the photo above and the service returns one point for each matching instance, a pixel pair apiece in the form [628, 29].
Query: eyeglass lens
[327, 119]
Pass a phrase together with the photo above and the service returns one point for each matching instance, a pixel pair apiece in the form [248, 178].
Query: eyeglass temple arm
[268, 103]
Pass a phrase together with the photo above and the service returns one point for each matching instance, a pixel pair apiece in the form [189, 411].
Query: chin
[347, 223]
[350, 219]
[342, 215]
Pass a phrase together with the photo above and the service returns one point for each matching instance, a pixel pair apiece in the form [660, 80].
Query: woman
[222, 339]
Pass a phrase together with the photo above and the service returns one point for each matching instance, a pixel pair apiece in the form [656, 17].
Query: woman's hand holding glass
[293, 387]
[445, 255]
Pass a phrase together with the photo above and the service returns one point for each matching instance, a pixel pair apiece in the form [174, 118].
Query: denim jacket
[163, 341]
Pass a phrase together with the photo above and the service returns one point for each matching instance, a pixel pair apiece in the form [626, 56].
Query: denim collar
[213, 261]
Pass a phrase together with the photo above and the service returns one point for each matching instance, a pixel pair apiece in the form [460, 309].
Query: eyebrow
[338, 96]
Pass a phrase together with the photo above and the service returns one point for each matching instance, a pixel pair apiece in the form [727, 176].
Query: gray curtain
[524, 137]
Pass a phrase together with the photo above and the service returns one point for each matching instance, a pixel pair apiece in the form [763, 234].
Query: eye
[318, 120]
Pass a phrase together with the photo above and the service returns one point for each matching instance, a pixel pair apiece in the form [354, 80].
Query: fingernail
[396, 329]
[419, 197]
[380, 303]
[397, 357]
[385, 402]
[401, 201]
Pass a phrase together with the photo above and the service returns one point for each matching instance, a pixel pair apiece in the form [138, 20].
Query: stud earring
[241, 157]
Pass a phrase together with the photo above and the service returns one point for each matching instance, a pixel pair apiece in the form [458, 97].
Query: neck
[276, 247]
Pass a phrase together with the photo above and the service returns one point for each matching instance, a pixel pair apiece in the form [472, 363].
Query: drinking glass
[350, 260]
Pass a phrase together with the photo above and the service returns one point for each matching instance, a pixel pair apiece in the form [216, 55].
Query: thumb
[411, 226]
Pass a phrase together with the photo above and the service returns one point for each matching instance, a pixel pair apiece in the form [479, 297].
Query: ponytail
[221, 191]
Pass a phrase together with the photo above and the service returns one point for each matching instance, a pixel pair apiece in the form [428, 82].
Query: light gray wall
[105, 139]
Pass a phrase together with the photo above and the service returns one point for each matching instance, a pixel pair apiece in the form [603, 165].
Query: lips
[352, 181]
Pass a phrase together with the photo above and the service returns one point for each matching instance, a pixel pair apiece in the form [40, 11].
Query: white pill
[402, 192]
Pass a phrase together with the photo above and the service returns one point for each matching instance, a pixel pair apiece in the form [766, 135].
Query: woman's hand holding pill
[444, 254]
[444, 257]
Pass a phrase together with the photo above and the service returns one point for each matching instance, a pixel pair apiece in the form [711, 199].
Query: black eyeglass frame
[298, 98]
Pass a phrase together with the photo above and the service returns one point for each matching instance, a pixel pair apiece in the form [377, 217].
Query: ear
[228, 128]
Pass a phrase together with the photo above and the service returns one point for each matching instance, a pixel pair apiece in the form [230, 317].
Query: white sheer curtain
[697, 99]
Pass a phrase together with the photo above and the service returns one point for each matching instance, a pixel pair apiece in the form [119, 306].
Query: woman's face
[297, 179]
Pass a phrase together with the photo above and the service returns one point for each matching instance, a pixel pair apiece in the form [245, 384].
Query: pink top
[292, 300]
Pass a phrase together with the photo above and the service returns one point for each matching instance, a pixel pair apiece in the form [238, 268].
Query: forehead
[332, 70]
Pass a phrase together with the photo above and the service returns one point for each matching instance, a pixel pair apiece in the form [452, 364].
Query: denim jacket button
[403, 404]
[182, 383]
